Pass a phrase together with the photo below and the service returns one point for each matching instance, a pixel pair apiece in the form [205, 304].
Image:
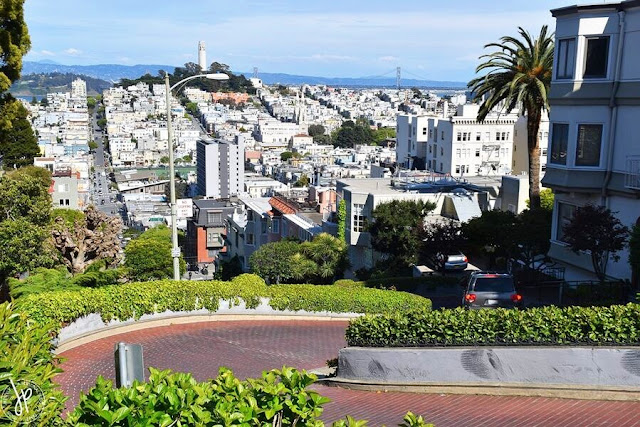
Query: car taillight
[470, 297]
[465, 259]
[516, 297]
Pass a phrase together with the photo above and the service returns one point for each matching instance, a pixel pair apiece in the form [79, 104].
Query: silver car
[491, 290]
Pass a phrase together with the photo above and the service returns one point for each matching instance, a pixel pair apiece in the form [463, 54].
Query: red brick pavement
[249, 347]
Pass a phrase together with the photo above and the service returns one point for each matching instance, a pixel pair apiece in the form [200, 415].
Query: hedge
[409, 284]
[614, 325]
[133, 300]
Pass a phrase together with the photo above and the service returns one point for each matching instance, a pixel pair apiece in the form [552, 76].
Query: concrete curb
[493, 389]
[95, 332]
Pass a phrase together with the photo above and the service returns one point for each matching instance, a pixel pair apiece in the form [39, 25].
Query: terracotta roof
[282, 206]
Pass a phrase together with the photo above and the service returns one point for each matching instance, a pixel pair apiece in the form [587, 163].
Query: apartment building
[594, 154]
[520, 163]
[459, 145]
[220, 167]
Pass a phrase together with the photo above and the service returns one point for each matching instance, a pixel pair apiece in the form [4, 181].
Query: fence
[582, 293]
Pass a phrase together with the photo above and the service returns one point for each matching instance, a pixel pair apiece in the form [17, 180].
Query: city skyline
[347, 39]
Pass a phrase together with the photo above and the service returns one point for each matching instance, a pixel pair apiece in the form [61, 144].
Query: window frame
[550, 159]
[578, 148]
[586, 55]
[566, 76]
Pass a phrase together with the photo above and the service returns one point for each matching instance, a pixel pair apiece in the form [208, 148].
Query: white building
[459, 145]
[594, 154]
[220, 167]
[78, 88]
[520, 163]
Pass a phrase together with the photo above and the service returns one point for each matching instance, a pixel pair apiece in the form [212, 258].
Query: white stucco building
[220, 167]
[594, 153]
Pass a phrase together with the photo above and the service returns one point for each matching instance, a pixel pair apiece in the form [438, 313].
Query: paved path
[249, 347]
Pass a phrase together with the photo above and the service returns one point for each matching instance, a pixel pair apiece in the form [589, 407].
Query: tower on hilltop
[202, 56]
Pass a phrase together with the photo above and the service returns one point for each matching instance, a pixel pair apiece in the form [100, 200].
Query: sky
[435, 40]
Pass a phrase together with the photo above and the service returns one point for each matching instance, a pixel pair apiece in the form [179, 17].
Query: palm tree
[519, 75]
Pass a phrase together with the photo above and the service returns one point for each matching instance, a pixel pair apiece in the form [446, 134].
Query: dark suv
[490, 290]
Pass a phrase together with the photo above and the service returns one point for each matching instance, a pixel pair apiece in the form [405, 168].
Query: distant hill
[291, 79]
[43, 83]
[109, 72]
[115, 72]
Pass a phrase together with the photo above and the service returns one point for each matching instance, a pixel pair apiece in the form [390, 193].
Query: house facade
[594, 153]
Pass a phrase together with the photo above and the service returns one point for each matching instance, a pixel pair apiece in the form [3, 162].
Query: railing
[632, 173]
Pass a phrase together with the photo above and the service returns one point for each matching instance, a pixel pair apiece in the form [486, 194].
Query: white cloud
[47, 53]
[72, 51]
[388, 58]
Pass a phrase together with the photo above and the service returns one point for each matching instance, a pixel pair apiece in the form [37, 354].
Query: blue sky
[439, 40]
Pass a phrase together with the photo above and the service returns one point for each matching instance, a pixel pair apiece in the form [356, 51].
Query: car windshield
[494, 284]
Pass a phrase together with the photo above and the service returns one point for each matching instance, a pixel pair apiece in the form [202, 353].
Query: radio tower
[398, 78]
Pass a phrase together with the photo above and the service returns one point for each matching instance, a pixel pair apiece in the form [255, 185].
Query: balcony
[632, 173]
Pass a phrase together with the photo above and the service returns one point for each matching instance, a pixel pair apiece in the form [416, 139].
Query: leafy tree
[44, 102]
[24, 194]
[303, 181]
[85, 238]
[192, 108]
[229, 269]
[351, 134]
[546, 199]
[316, 130]
[272, 261]
[286, 155]
[18, 143]
[382, 134]
[92, 145]
[395, 226]
[328, 256]
[164, 160]
[595, 229]
[101, 123]
[91, 102]
[149, 256]
[519, 74]
[444, 236]
[531, 237]
[14, 42]
[23, 246]
[492, 233]
[342, 220]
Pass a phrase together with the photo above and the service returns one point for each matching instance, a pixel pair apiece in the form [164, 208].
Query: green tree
[395, 226]
[229, 269]
[546, 199]
[92, 145]
[149, 256]
[164, 160]
[444, 236]
[492, 233]
[91, 102]
[531, 237]
[24, 194]
[382, 134]
[596, 230]
[519, 74]
[342, 220]
[316, 130]
[273, 261]
[23, 246]
[303, 181]
[18, 143]
[192, 108]
[101, 123]
[286, 155]
[328, 255]
[14, 42]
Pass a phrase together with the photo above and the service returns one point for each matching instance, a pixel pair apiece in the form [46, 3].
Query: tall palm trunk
[533, 144]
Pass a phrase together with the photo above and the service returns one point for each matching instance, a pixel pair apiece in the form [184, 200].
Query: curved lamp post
[175, 249]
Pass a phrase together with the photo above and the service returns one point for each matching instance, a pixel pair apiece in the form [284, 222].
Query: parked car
[456, 261]
[490, 290]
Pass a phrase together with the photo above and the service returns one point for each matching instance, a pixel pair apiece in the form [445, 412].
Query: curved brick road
[249, 347]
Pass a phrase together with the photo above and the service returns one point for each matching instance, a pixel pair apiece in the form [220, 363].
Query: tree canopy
[518, 75]
[596, 230]
[14, 41]
[18, 143]
[149, 256]
[394, 230]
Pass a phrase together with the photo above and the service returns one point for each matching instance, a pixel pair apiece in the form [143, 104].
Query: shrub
[410, 284]
[348, 283]
[132, 300]
[615, 325]
[26, 355]
[280, 397]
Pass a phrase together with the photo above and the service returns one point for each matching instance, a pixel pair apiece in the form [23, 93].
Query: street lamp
[175, 249]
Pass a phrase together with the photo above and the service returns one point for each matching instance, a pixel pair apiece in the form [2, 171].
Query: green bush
[619, 325]
[26, 355]
[279, 398]
[132, 300]
[410, 284]
[348, 283]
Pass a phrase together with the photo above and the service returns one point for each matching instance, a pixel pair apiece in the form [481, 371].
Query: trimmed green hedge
[409, 284]
[133, 300]
[536, 326]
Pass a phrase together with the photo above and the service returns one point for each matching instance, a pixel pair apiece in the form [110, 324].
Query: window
[429, 148]
[263, 226]
[497, 136]
[565, 214]
[275, 225]
[249, 215]
[442, 151]
[477, 152]
[61, 202]
[441, 168]
[250, 239]
[63, 188]
[430, 132]
[559, 140]
[214, 217]
[478, 134]
[459, 136]
[214, 239]
[544, 151]
[424, 131]
[429, 164]
[358, 218]
[595, 66]
[457, 152]
[458, 168]
[588, 147]
[442, 135]
[566, 59]
[66, 202]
